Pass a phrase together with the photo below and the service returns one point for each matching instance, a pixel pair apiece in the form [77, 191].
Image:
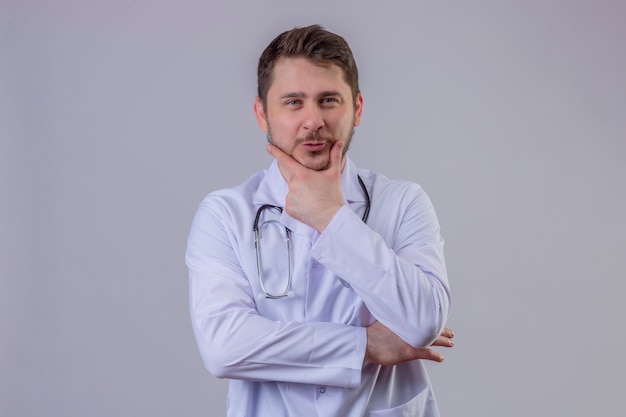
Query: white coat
[304, 355]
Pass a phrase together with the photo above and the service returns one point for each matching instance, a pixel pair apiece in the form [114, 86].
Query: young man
[317, 286]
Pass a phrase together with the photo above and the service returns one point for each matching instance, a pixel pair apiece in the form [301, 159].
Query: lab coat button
[322, 390]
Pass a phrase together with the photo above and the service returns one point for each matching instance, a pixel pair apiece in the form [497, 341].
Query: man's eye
[292, 102]
[330, 100]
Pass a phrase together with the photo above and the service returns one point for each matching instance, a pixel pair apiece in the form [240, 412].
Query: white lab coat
[303, 356]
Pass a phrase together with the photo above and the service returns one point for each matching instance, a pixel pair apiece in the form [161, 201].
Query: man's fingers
[443, 341]
[286, 162]
[447, 332]
[277, 153]
[427, 354]
[445, 338]
[336, 155]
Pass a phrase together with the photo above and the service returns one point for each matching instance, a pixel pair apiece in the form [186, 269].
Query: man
[315, 286]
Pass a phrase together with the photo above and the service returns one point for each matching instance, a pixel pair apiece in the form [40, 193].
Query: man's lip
[315, 145]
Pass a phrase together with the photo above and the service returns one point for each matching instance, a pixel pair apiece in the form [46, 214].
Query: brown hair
[311, 42]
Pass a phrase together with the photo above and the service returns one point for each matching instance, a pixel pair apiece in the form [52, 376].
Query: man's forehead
[299, 72]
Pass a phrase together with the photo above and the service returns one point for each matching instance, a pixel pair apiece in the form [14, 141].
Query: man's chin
[317, 163]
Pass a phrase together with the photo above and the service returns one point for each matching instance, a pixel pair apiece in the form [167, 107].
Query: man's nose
[313, 118]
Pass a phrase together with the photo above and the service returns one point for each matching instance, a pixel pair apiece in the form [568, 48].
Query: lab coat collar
[273, 188]
[352, 191]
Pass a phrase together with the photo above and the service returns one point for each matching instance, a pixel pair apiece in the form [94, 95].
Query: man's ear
[259, 112]
[358, 109]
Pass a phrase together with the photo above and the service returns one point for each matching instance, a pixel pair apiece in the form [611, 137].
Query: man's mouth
[314, 146]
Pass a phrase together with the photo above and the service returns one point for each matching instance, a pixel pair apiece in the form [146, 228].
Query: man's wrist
[326, 218]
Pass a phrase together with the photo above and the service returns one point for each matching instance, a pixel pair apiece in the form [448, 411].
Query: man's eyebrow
[299, 94]
[295, 94]
[330, 93]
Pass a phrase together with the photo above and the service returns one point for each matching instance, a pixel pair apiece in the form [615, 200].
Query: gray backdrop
[117, 117]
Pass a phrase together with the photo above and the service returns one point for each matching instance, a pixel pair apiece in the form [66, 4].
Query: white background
[117, 117]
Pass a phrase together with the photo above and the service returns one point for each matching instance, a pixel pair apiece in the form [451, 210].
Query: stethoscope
[287, 292]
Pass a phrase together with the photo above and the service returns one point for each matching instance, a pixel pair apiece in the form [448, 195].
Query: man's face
[308, 109]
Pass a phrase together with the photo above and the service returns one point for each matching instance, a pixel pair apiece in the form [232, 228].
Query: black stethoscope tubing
[255, 228]
[368, 204]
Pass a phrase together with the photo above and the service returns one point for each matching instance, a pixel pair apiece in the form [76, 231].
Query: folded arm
[235, 341]
[400, 276]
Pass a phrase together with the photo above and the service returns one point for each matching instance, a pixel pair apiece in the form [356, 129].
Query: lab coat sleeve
[401, 277]
[234, 340]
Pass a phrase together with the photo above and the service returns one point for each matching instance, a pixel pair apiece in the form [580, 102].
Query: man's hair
[313, 43]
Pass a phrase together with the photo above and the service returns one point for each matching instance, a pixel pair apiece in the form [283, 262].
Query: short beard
[315, 136]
